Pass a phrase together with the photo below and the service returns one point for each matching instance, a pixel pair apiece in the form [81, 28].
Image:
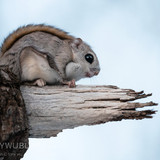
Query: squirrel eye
[89, 58]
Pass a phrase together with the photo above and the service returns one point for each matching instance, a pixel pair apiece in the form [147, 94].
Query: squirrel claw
[40, 82]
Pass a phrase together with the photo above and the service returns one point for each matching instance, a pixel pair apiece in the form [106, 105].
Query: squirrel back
[22, 31]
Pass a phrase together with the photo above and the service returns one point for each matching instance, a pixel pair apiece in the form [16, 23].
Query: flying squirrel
[42, 54]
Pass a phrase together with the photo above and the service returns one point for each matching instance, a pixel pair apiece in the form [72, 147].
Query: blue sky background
[125, 34]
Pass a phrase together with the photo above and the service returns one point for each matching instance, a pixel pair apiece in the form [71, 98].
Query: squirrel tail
[22, 31]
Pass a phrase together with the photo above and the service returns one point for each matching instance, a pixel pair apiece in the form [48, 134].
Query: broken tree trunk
[53, 108]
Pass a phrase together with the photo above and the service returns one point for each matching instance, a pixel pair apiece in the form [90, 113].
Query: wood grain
[53, 108]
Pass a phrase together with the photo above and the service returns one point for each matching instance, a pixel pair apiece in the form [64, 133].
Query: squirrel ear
[76, 42]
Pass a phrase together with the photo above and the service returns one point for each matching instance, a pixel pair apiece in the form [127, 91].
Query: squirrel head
[85, 56]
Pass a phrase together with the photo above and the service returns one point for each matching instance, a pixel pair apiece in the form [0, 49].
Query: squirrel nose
[95, 71]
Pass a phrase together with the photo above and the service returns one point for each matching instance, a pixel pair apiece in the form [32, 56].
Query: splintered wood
[53, 108]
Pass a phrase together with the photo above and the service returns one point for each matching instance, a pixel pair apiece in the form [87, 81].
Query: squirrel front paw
[40, 82]
[71, 84]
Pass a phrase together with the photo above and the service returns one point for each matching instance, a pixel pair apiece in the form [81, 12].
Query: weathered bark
[13, 118]
[54, 108]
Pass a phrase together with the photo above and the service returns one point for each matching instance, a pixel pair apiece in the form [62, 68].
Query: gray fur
[65, 58]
